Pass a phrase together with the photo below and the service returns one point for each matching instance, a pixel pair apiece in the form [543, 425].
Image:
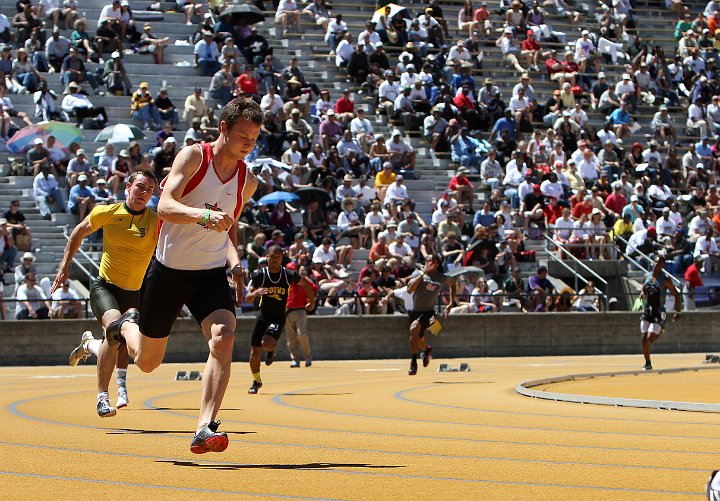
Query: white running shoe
[81, 353]
[122, 399]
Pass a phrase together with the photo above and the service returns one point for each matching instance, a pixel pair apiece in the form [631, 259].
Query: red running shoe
[209, 440]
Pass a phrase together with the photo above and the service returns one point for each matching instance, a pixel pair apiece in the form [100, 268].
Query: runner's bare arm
[76, 237]
[451, 304]
[171, 210]
[309, 292]
[233, 258]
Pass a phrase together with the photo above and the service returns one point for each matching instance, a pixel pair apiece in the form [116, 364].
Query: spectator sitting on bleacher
[73, 70]
[81, 41]
[143, 108]
[79, 166]
[105, 159]
[36, 157]
[106, 40]
[8, 252]
[246, 82]
[32, 304]
[222, 85]
[163, 159]
[115, 76]
[151, 44]
[66, 303]
[5, 32]
[402, 155]
[195, 106]
[57, 49]
[206, 54]
[190, 8]
[77, 103]
[47, 193]
[24, 22]
[81, 200]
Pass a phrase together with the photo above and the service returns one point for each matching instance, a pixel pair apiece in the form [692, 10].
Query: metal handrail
[573, 258]
[644, 256]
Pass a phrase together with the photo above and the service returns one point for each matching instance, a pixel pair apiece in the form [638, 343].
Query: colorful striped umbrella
[64, 133]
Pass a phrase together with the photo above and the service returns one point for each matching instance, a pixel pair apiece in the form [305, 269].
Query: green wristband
[206, 218]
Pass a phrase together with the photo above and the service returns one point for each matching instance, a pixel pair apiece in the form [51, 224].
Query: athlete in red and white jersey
[199, 206]
[191, 246]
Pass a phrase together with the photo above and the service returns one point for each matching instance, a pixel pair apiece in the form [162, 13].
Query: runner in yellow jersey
[130, 235]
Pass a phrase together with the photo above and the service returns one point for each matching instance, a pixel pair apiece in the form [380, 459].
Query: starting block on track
[712, 359]
[464, 367]
[188, 376]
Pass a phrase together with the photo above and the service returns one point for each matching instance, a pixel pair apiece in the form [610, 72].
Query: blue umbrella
[278, 196]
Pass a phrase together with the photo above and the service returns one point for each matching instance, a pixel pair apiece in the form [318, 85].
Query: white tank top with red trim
[191, 246]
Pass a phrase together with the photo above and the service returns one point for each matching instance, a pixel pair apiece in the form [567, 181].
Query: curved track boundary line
[525, 389]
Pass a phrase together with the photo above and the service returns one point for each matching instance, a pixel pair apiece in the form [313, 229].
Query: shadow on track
[132, 431]
[306, 466]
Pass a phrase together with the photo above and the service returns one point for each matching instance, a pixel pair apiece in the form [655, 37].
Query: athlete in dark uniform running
[425, 287]
[272, 285]
[653, 294]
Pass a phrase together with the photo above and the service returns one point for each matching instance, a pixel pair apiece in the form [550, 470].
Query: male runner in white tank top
[199, 207]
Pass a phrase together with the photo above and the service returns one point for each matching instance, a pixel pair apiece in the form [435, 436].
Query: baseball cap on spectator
[410, 67]
[170, 140]
[378, 45]
[536, 188]
[703, 78]
[387, 165]
[626, 76]
[80, 152]
[595, 212]
[291, 266]
[399, 178]
[296, 111]
[601, 75]
[700, 166]
[197, 89]
[115, 55]
[396, 133]
[124, 154]
[571, 161]
[101, 181]
[82, 177]
[392, 224]
[144, 85]
[566, 113]
[652, 230]
[347, 179]
[147, 26]
[330, 112]
[663, 107]
[508, 31]
[38, 141]
[54, 30]
[3, 221]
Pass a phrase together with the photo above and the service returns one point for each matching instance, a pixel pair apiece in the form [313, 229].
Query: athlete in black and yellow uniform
[130, 235]
[271, 285]
[654, 290]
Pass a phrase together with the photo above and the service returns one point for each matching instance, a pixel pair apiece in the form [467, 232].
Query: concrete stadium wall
[499, 335]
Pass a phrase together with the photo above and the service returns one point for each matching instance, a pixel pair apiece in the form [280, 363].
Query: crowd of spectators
[543, 164]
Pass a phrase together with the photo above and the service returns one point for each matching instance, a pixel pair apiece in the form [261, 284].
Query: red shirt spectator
[553, 65]
[378, 250]
[482, 14]
[530, 43]
[459, 181]
[616, 201]
[582, 208]
[692, 276]
[552, 211]
[463, 102]
[367, 290]
[248, 84]
[297, 298]
[344, 105]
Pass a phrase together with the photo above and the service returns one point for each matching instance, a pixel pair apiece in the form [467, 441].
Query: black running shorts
[105, 296]
[166, 290]
[265, 326]
[424, 317]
